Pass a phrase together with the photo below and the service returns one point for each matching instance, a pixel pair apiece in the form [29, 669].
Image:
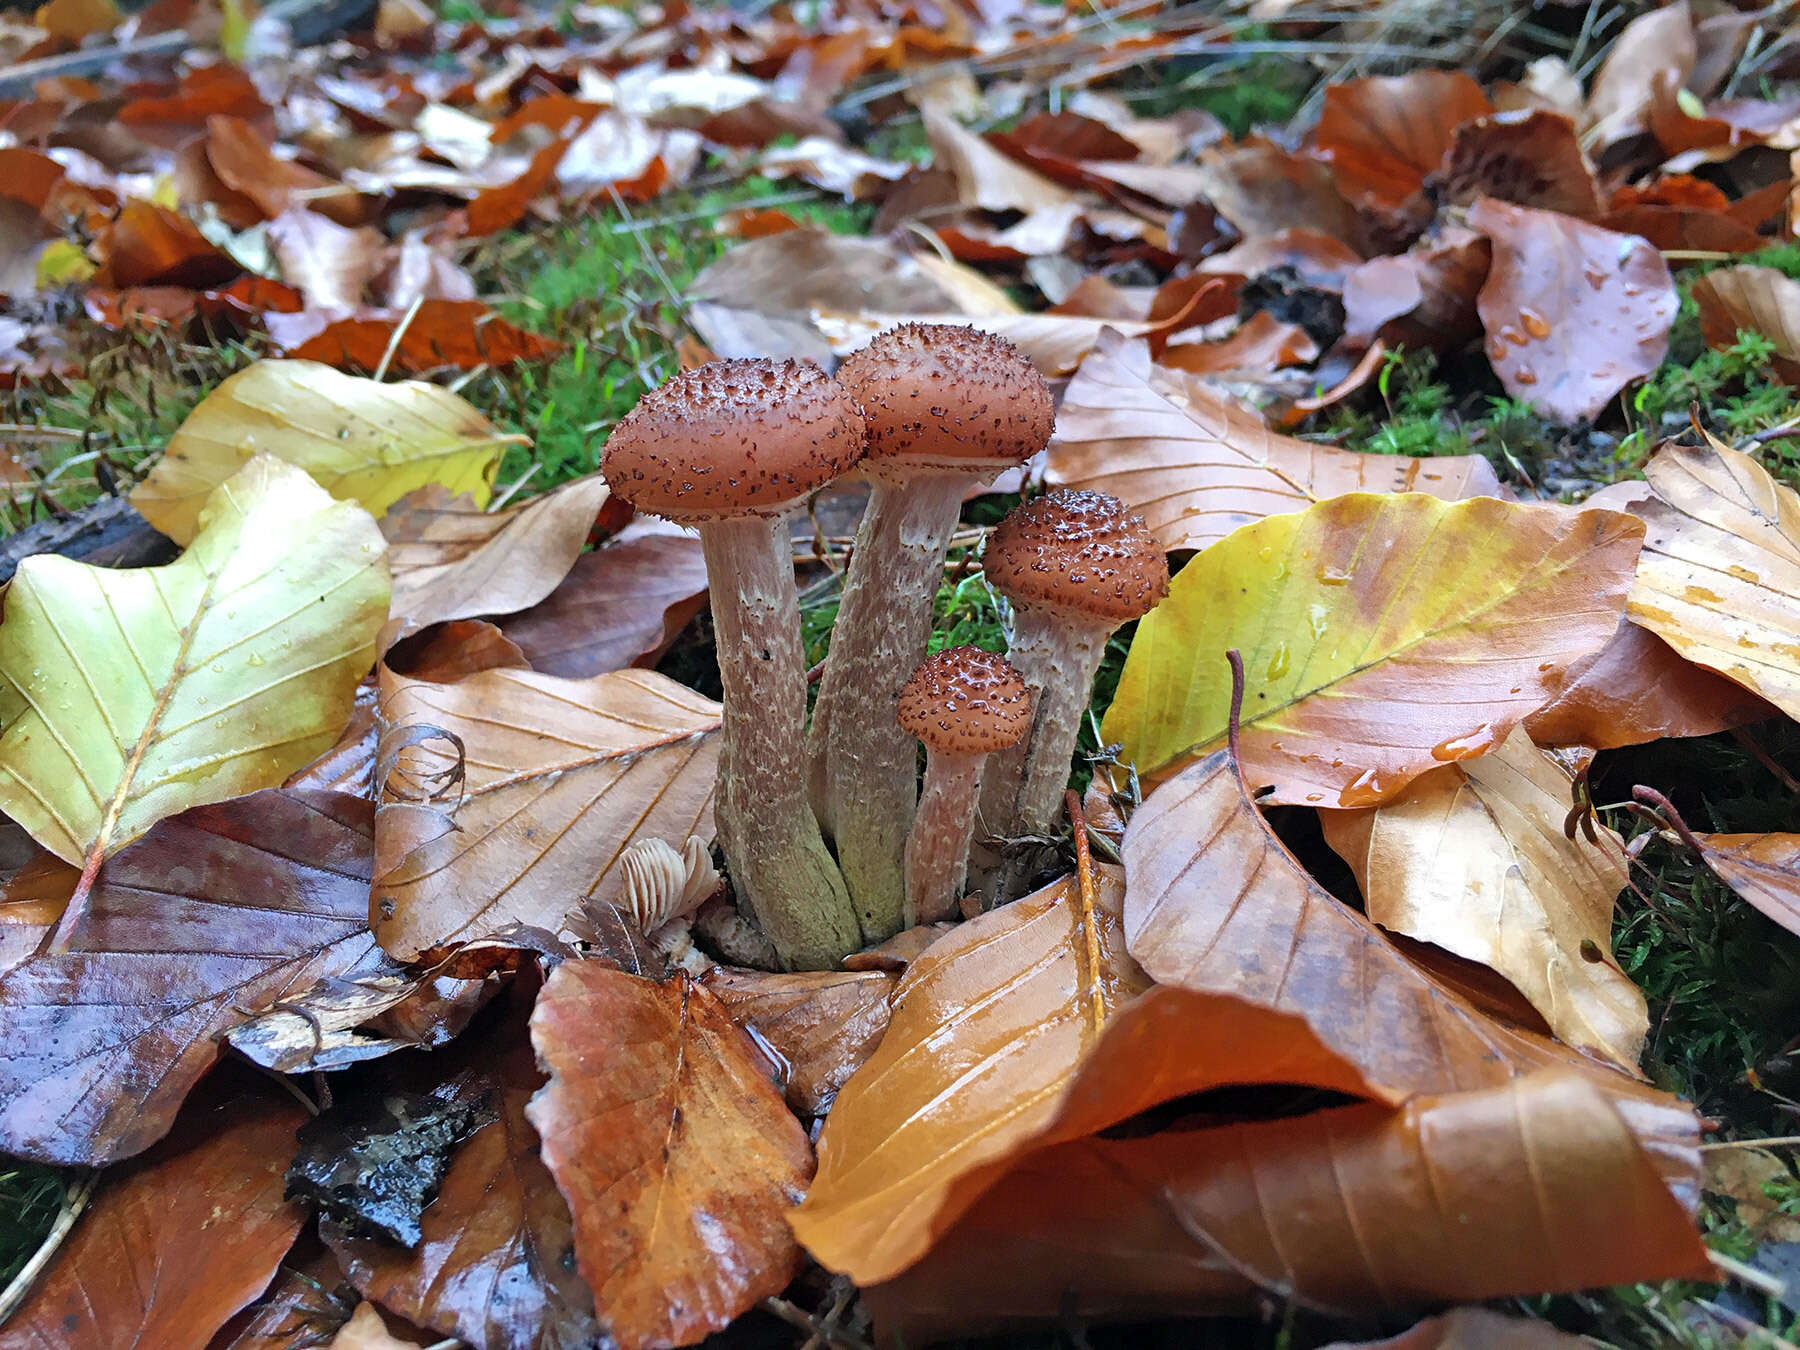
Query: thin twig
[74, 1201]
[1084, 878]
[1743, 1273]
[394, 341]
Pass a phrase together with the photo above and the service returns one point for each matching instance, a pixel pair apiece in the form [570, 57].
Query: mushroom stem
[778, 861]
[1059, 656]
[883, 626]
[937, 849]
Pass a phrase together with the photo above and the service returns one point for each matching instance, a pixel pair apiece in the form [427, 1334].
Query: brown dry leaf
[1719, 577]
[987, 179]
[1196, 465]
[1261, 343]
[148, 245]
[210, 917]
[342, 1021]
[1636, 689]
[175, 1244]
[1386, 134]
[1758, 300]
[1573, 312]
[1741, 1175]
[173, 114]
[245, 164]
[1473, 857]
[561, 776]
[1422, 298]
[621, 605]
[447, 652]
[330, 263]
[451, 560]
[1762, 868]
[1654, 51]
[365, 1330]
[1261, 189]
[1473, 1329]
[73, 20]
[439, 334]
[1526, 158]
[1537, 1184]
[676, 1154]
[31, 901]
[823, 1023]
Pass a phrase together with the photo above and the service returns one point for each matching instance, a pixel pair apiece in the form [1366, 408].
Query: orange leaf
[824, 1023]
[1762, 868]
[1383, 135]
[458, 334]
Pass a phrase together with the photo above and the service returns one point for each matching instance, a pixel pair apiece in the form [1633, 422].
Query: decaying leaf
[824, 1023]
[1747, 1176]
[1761, 300]
[130, 695]
[362, 440]
[676, 1153]
[1386, 134]
[345, 1020]
[1473, 857]
[560, 777]
[1382, 636]
[31, 901]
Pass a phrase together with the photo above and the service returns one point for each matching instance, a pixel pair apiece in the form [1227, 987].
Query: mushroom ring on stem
[1075, 565]
[964, 704]
[946, 407]
[732, 448]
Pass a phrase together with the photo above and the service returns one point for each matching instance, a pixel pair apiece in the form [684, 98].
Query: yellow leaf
[1381, 635]
[61, 262]
[132, 694]
[362, 440]
[73, 20]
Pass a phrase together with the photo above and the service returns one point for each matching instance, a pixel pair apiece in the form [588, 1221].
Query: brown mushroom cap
[734, 438]
[1080, 552]
[965, 701]
[940, 396]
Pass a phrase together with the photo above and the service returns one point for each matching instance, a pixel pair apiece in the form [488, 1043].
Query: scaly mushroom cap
[965, 701]
[1078, 551]
[940, 396]
[734, 438]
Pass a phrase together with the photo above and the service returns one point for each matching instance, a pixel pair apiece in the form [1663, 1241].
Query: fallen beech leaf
[676, 1154]
[178, 1242]
[1197, 465]
[210, 917]
[1261, 189]
[448, 652]
[1719, 579]
[987, 179]
[1344, 612]
[246, 165]
[823, 1023]
[562, 775]
[331, 264]
[132, 694]
[459, 334]
[452, 560]
[1472, 857]
[73, 20]
[1527, 158]
[1384, 135]
[1573, 312]
[1261, 343]
[365, 1330]
[1473, 1329]
[1762, 868]
[619, 606]
[363, 441]
[1636, 689]
[1757, 300]
[31, 901]
[150, 245]
[1743, 1175]
[172, 116]
[307, 1302]
[1421, 298]
[1654, 49]
[1352, 1209]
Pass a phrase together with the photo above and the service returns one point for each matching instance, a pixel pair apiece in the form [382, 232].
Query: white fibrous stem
[1059, 655]
[778, 862]
[937, 849]
[870, 782]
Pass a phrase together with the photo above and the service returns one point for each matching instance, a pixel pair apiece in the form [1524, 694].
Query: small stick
[1084, 876]
[394, 341]
[1763, 757]
[1649, 796]
[74, 1201]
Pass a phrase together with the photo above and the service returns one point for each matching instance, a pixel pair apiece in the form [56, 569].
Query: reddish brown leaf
[458, 334]
[1384, 135]
[823, 1023]
[221, 89]
[1261, 189]
[31, 901]
[448, 652]
[209, 917]
[152, 245]
[1573, 312]
[179, 1241]
[246, 165]
[500, 208]
[1261, 343]
[1526, 158]
[1421, 298]
[676, 1153]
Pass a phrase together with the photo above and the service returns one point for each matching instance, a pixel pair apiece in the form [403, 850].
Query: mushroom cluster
[826, 838]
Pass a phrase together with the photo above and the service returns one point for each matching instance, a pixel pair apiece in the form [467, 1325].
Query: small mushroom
[946, 407]
[732, 448]
[1075, 565]
[964, 704]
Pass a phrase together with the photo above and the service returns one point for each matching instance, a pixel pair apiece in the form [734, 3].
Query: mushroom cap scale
[1080, 552]
[949, 398]
[732, 439]
[966, 701]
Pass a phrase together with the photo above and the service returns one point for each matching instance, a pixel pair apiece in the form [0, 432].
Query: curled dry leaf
[676, 1153]
[452, 560]
[1719, 579]
[1424, 297]
[1573, 312]
[1473, 857]
[1197, 465]
[560, 777]
[246, 165]
[344, 1020]
[175, 1244]
[363, 441]
[1384, 135]
[823, 1023]
[1762, 868]
[212, 916]
[131, 694]
[1757, 300]
[1344, 612]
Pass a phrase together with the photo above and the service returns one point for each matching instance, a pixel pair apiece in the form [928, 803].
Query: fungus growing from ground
[964, 704]
[1075, 565]
[946, 407]
[732, 448]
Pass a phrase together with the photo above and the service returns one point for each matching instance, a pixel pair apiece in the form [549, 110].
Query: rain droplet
[1535, 324]
[1514, 336]
[1525, 375]
[255, 658]
[1278, 663]
[1476, 742]
[1316, 617]
[1315, 796]
[1333, 576]
[1366, 790]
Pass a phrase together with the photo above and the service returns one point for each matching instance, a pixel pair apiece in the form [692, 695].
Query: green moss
[30, 1196]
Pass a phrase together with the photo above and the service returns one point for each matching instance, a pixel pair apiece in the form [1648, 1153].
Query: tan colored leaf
[132, 694]
[1744, 1176]
[366, 1331]
[823, 1023]
[1197, 465]
[452, 560]
[986, 178]
[362, 440]
[1473, 857]
[1655, 48]
[329, 264]
[675, 1152]
[561, 776]
[1757, 300]
[1719, 579]
[1385, 134]
[1473, 1329]
[1762, 868]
